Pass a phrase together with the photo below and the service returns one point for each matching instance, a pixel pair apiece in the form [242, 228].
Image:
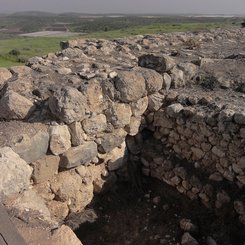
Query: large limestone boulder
[116, 158]
[64, 236]
[79, 155]
[21, 71]
[94, 94]
[45, 168]
[119, 114]
[77, 134]
[94, 125]
[60, 139]
[178, 79]
[5, 74]
[68, 105]
[34, 148]
[15, 106]
[130, 85]
[109, 141]
[153, 80]
[15, 173]
[31, 208]
[70, 188]
[139, 107]
[160, 63]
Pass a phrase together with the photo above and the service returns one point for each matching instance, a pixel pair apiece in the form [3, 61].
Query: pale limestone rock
[111, 140]
[68, 105]
[21, 71]
[155, 101]
[63, 70]
[31, 206]
[5, 74]
[60, 139]
[178, 79]
[119, 114]
[64, 236]
[133, 127]
[15, 106]
[34, 148]
[70, 189]
[58, 210]
[174, 109]
[45, 168]
[130, 85]
[95, 96]
[79, 155]
[15, 173]
[139, 107]
[153, 80]
[115, 159]
[77, 134]
[167, 81]
[94, 125]
[189, 70]
[161, 63]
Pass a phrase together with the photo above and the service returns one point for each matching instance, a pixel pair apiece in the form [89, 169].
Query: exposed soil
[125, 217]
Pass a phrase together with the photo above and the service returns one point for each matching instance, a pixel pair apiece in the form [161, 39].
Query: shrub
[14, 52]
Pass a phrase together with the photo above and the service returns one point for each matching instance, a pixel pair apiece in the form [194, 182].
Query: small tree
[243, 24]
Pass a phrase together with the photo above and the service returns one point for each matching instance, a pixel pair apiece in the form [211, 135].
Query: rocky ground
[159, 216]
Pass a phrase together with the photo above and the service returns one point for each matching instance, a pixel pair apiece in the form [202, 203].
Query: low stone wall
[74, 122]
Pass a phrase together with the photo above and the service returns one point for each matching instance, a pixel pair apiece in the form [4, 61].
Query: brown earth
[126, 217]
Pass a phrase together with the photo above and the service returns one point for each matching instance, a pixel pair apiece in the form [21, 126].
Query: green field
[27, 47]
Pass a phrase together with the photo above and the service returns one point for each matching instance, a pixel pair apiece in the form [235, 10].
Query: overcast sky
[127, 6]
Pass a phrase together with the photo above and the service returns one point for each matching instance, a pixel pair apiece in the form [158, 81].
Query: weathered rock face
[69, 188]
[32, 149]
[15, 106]
[45, 168]
[119, 115]
[60, 139]
[68, 105]
[15, 173]
[130, 85]
[63, 236]
[160, 64]
[5, 74]
[79, 155]
[94, 125]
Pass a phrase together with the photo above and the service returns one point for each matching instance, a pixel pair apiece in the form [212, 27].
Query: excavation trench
[140, 209]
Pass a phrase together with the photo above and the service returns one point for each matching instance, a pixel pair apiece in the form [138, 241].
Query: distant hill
[34, 13]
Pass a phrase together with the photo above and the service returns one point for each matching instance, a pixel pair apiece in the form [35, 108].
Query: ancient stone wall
[74, 122]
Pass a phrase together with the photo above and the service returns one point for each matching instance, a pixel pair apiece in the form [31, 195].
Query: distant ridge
[34, 13]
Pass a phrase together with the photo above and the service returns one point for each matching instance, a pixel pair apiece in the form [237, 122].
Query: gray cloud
[127, 6]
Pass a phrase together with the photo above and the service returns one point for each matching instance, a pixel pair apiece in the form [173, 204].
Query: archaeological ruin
[76, 123]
